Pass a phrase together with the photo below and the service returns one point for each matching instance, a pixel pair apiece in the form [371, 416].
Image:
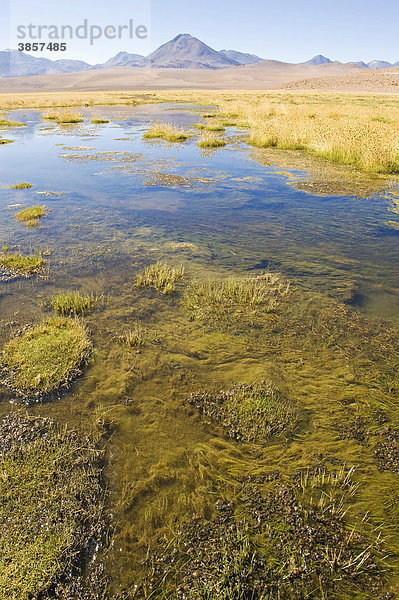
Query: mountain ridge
[182, 52]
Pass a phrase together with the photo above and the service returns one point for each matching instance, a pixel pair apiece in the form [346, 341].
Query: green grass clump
[45, 357]
[248, 412]
[99, 121]
[209, 140]
[234, 299]
[20, 265]
[166, 131]
[162, 277]
[21, 186]
[4, 141]
[30, 216]
[50, 503]
[72, 303]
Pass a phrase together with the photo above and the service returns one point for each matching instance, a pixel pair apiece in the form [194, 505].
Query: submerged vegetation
[20, 265]
[72, 303]
[285, 538]
[134, 337]
[45, 357]
[248, 412]
[235, 299]
[31, 216]
[162, 277]
[166, 131]
[51, 504]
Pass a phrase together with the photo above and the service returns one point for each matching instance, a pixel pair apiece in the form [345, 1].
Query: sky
[287, 30]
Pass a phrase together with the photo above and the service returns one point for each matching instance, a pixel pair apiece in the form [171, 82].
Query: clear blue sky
[288, 30]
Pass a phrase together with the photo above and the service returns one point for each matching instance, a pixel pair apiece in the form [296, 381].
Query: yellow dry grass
[357, 130]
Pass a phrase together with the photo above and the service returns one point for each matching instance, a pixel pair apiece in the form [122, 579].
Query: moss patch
[50, 503]
[45, 357]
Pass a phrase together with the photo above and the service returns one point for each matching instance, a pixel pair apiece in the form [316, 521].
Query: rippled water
[118, 203]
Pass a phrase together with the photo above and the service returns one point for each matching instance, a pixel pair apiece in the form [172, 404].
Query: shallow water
[118, 203]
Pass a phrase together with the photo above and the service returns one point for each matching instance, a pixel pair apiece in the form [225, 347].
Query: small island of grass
[31, 216]
[99, 121]
[21, 186]
[20, 265]
[166, 131]
[209, 140]
[46, 357]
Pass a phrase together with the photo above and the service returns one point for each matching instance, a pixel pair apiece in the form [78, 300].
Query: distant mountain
[124, 59]
[379, 64]
[188, 52]
[241, 58]
[319, 59]
[183, 52]
[14, 63]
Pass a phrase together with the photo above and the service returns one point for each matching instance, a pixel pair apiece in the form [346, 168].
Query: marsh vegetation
[162, 277]
[167, 132]
[72, 303]
[51, 506]
[42, 358]
[14, 263]
[32, 215]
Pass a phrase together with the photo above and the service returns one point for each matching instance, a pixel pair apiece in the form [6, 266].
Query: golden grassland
[361, 131]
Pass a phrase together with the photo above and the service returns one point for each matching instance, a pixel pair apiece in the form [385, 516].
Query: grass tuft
[166, 131]
[134, 337]
[162, 277]
[72, 303]
[99, 121]
[234, 299]
[45, 357]
[209, 140]
[66, 116]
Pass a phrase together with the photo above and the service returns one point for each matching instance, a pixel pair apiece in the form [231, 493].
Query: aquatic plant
[233, 299]
[65, 116]
[166, 131]
[21, 186]
[134, 337]
[51, 508]
[7, 123]
[45, 357]
[215, 127]
[291, 541]
[99, 121]
[5, 141]
[31, 216]
[248, 412]
[20, 265]
[72, 303]
[162, 277]
[210, 140]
